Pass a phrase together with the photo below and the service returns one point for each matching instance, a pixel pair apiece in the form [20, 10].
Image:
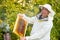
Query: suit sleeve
[30, 20]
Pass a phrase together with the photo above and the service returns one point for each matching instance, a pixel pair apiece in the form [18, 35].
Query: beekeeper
[42, 24]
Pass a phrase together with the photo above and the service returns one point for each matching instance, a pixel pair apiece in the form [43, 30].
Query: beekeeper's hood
[49, 8]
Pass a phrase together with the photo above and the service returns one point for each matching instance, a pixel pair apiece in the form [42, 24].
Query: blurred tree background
[10, 8]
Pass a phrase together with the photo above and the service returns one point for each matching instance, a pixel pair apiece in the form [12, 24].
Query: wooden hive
[20, 26]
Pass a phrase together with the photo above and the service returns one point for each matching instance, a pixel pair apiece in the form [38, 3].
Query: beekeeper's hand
[22, 38]
[20, 15]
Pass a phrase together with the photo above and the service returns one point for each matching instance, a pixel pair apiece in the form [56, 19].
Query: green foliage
[10, 8]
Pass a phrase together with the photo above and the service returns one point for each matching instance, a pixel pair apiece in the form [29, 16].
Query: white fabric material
[41, 29]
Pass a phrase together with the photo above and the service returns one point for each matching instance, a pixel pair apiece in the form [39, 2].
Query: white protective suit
[41, 28]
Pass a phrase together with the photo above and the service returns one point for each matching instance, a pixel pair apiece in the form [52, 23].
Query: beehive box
[20, 26]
